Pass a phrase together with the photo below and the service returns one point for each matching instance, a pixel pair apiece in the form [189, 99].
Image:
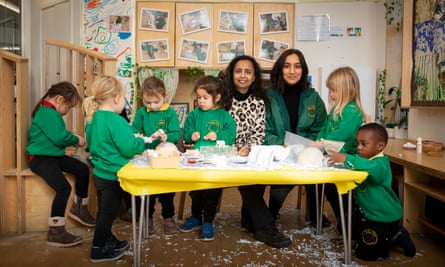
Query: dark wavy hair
[256, 88]
[65, 89]
[276, 75]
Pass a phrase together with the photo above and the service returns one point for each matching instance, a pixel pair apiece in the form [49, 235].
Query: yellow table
[144, 181]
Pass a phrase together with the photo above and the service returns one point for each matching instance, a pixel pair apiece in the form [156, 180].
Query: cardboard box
[165, 162]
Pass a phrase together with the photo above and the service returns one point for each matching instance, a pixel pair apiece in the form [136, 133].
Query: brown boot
[170, 226]
[58, 236]
[80, 213]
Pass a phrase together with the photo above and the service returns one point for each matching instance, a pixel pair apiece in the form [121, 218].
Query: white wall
[365, 54]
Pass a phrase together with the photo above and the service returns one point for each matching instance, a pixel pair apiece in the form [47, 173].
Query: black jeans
[52, 169]
[166, 200]
[277, 195]
[109, 197]
[254, 210]
[204, 203]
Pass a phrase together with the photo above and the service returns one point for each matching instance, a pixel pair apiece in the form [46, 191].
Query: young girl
[48, 138]
[203, 127]
[344, 119]
[149, 120]
[112, 144]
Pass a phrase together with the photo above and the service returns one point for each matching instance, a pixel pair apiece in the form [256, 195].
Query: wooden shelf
[431, 224]
[434, 190]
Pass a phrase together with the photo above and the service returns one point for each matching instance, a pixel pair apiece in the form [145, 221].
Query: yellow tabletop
[147, 181]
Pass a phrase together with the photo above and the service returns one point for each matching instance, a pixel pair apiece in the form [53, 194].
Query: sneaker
[116, 244]
[403, 240]
[207, 232]
[170, 226]
[190, 224]
[151, 228]
[272, 237]
[105, 253]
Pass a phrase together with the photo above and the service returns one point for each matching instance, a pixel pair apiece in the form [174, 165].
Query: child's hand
[81, 140]
[336, 157]
[317, 144]
[187, 146]
[243, 152]
[163, 137]
[210, 136]
[195, 136]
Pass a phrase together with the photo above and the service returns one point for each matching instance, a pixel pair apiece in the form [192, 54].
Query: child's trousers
[52, 169]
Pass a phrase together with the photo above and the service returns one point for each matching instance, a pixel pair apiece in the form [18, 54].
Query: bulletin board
[155, 28]
[233, 32]
[273, 31]
[194, 35]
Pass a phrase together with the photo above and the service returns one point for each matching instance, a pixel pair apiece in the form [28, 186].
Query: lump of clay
[310, 157]
[167, 149]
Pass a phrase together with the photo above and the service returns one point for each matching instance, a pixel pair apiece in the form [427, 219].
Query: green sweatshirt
[48, 135]
[216, 120]
[311, 113]
[344, 128]
[375, 197]
[111, 143]
[148, 122]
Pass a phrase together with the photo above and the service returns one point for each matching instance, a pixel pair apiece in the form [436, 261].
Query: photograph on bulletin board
[154, 19]
[118, 23]
[233, 22]
[229, 50]
[194, 50]
[194, 21]
[154, 50]
[270, 50]
[273, 22]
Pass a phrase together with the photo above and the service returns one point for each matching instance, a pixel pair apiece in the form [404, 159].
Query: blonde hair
[347, 84]
[103, 88]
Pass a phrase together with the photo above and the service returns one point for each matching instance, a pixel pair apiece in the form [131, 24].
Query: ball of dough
[311, 157]
[167, 149]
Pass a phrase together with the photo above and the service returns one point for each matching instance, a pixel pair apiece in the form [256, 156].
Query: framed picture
[194, 21]
[273, 22]
[194, 50]
[118, 23]
[428, 72]
[154, 50]
[182, 109]
[270, 50]
[154, 19]
[229, 50]
[234, 22]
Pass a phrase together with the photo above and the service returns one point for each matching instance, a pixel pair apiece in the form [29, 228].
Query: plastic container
[419, 145]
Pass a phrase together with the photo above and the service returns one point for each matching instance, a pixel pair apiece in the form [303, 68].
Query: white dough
[311, 157]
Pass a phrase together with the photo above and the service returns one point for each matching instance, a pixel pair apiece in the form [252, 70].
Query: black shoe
[272, 237]
[402, 239]
[116, 244]
[105, 253]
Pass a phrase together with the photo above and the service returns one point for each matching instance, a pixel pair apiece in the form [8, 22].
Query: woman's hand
[243, 151]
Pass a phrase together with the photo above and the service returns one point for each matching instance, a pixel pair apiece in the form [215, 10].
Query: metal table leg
[346, 234]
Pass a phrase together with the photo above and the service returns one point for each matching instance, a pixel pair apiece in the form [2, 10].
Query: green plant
[193, 73]
[394, 13]
[399, 114]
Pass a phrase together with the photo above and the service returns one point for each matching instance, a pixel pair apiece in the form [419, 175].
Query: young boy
[377, 215]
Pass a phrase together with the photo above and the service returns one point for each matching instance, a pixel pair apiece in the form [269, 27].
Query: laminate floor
[232, 247]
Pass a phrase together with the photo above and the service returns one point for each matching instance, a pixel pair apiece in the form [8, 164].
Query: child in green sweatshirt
[112, 144]
[377, 216]
[158, 121]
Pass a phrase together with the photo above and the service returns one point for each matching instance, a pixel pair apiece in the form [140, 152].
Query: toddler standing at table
[377, 216]
[160, 122]
[344, 119]
[203, 127]
[112, 144]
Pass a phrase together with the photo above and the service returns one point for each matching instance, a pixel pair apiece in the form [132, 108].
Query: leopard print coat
[250, 118]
